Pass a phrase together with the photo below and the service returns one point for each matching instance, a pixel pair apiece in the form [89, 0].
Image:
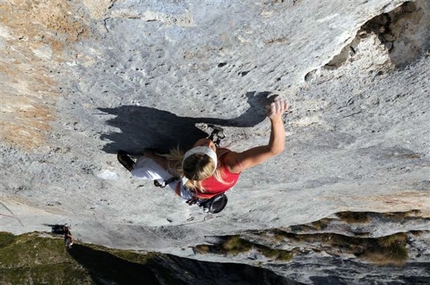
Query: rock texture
[83, 79]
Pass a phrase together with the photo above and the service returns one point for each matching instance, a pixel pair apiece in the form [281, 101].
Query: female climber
[206, 170]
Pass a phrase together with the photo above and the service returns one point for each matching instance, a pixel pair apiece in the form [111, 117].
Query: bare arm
[238, 162]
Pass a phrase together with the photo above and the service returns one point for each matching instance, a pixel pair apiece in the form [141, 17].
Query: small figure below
[68, 238]
[64, 230]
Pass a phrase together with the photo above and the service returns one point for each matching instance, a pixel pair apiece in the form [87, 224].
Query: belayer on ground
[205, 172]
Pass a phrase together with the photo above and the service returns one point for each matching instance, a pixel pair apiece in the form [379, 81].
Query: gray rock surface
[83, 79]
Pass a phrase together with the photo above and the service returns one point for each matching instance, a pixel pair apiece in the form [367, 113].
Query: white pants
[146, 168]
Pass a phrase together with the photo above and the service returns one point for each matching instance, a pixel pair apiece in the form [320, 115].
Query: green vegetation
[6, 239]
[321, 224]
[233, 245]
[202, 248]
[36, 259]
[364, 217]
[388, 250]
[45, 260]
[42, 260]
[353, 217]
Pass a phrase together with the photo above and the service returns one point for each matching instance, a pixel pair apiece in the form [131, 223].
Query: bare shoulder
[232, 161]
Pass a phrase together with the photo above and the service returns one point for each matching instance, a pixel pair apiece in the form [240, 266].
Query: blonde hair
[196, 168]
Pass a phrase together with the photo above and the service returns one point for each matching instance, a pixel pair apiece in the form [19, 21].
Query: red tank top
[214, 187]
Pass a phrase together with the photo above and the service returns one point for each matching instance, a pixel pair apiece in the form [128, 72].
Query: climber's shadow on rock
[145, 127]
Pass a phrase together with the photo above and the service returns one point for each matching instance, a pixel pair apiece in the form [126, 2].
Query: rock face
[82, 79]
[343, 248]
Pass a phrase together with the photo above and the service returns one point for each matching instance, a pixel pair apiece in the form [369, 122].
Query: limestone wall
[82, 79]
